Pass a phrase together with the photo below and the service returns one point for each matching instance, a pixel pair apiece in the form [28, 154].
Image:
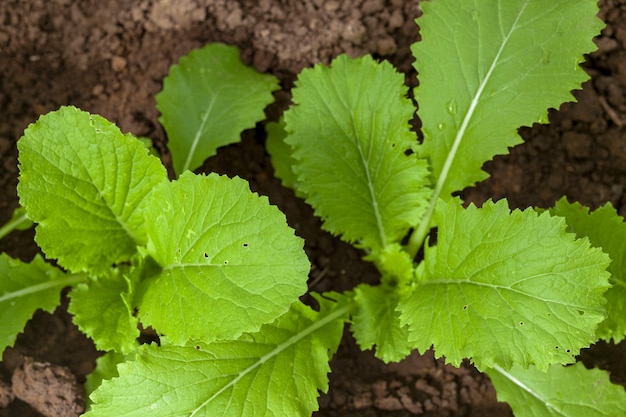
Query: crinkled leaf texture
[562, 391]
[103, 310]
[376, 322]
[208, 99]
[349, 130]
[607, 230]
[229, 261]
[487, 67]
[85, 184]
[25, 288]
[506, 288]
[276, 372]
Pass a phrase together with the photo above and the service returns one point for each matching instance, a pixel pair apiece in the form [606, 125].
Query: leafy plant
[217, 272]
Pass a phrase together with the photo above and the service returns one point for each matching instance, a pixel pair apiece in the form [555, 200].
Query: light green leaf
[208, 99]
[562, 391]
[85, 184]
[487, 67]
[230, 262]
[606, 230]
[350, 140]
[106, 368]
[506, 288]
[276, 372]
[377, 322]
[102, 310]
[25, 288]
[281, 154]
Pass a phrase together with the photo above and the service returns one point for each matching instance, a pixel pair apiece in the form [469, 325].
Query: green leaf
[281, 154]
[350, 142]
[230, 262]
[275, 372]
[102, 310]
[26, 288]
[606, 230]
[377, 322]
[106, 368]
[506, 288]
[85, 184]
[487, 67]
[562, 391]
[208, 99]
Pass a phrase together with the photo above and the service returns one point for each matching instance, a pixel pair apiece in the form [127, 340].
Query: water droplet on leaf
[451, 106]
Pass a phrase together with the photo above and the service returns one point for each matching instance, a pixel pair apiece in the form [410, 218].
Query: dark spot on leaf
[465, 307]
[225, 262]
[245, 245]
[197, 347]
[206, 255]
[582, 313]
[521, 323]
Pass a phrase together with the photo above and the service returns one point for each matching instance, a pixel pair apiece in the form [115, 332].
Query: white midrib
[417, 238]
[33, 289]
[277, 350]
[370, 185]
[196, 138]
[527, 389]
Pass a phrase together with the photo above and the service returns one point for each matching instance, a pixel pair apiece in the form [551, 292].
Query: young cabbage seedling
[217, 272]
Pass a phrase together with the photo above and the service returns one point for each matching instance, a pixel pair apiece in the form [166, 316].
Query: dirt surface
[109, 57]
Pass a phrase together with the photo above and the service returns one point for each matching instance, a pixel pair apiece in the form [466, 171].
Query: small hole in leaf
[225, 262]
[197, 347]
[556, 347]
[465, 307]
[568, 350]
[521, 323]
[245, 245]
[206, 255]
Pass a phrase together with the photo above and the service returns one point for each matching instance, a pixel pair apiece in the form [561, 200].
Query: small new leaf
[85, 184]
[562, 391]
[506, 288]
[102, 311]
[351, 145]
[229, 261]
[376, 322]
[273, 373]
[208, 99]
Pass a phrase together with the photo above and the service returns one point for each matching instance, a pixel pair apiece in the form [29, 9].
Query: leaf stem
[63, 282]
[15, 223]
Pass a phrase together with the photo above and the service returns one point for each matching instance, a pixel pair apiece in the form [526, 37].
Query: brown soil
[109, 57]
